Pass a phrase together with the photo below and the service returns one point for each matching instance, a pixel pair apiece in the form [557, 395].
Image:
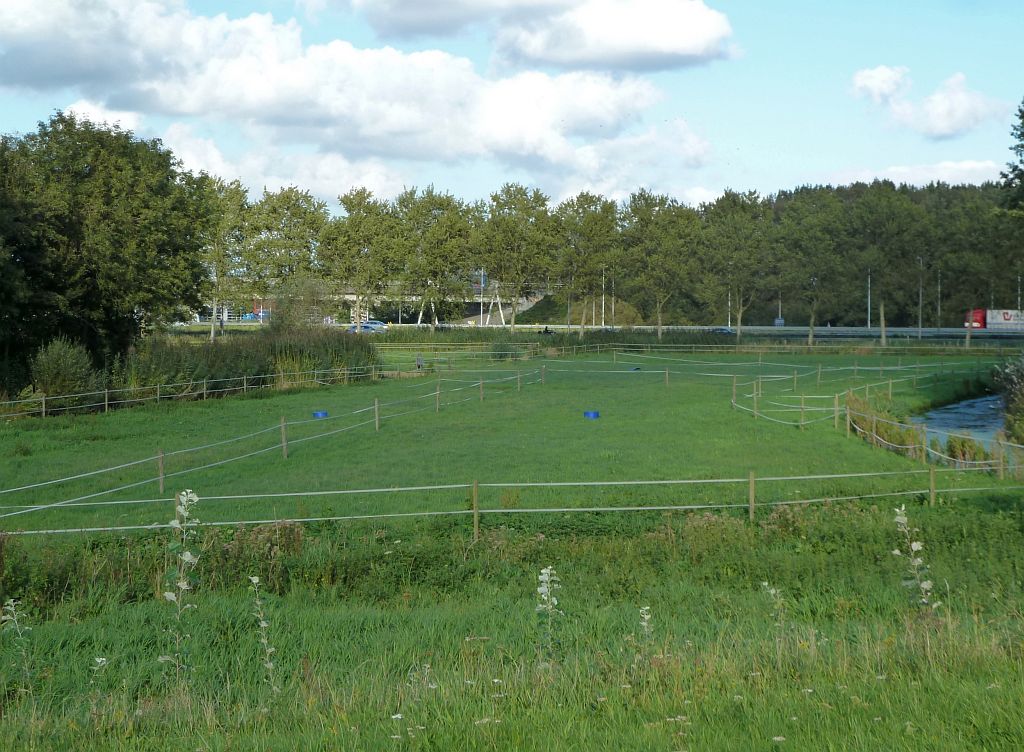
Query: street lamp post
[869, 298]
[920, 295]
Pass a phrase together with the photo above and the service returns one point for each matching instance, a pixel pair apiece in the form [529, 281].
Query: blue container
[320, 414]
[591, 414]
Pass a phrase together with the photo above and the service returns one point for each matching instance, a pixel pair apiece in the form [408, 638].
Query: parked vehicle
[995, 319]
[366, 328]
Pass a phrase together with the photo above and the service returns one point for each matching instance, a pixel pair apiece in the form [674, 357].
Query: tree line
[104, 236]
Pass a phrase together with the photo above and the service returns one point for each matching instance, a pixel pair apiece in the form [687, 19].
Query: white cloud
[428, 105]
[954, 109]
[951, 110]
[403, 18]
[620, 34]
[697, 195]
[881, 83]
[657, 158]
[96, 113]
[953, 172]
[326, 175]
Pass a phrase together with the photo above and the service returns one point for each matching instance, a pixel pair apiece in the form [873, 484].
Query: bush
[63, 367]
[1010, 380]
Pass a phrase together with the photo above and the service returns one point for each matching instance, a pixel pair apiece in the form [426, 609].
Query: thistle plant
[547, 610]
[910, 549]
[13, 621]
[646, 632]
[180, 578]
[262, 625]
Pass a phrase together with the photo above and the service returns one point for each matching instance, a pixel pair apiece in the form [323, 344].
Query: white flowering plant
[181, 578]
[548, 584]
[262, 625]
[910, 550]
[12, 618]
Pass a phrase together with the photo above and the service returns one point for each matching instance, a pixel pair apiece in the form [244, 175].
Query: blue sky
[686, 97]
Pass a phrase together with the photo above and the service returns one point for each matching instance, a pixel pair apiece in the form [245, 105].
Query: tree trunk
[810, 329]
[213, 321]
[513, 322]
[739, 323]
[583, 317]
[881, 320]
[970, 326]
[658, 308]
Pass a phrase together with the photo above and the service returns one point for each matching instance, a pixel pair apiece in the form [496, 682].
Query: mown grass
[358, 610]
[522, 432]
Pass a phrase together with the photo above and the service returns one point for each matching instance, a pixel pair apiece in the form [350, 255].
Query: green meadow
[393, 624]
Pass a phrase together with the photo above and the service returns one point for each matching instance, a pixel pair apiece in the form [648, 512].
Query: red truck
[995, 319]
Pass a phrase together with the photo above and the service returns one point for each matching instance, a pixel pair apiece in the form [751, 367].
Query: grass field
[407, 633]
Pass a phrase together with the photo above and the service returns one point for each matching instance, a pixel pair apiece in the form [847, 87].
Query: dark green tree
[107, 233]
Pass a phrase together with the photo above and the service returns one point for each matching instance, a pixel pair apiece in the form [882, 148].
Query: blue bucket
[591, 414]
[320, 414]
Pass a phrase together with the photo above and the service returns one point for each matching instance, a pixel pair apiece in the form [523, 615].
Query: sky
[684, 97]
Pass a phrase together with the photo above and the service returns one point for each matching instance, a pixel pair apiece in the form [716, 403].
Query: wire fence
[754, 494]
[468, 384]
[399, 360]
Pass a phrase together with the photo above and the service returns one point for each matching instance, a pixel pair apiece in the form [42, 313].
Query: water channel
[980, 418]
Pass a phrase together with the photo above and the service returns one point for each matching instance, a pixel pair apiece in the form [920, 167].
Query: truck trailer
[995, 319]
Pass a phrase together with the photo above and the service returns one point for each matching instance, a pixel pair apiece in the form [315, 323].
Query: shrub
[1010, 380]
[63, 367]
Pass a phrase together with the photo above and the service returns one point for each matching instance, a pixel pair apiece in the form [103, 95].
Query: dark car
[728, 330]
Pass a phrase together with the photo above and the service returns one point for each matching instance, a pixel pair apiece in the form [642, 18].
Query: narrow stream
[981, 418]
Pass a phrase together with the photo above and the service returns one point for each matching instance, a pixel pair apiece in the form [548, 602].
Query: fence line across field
[276, 446]
[352, 413]
[284, 424]
[519, 485]
[477, 512]
[243, 383]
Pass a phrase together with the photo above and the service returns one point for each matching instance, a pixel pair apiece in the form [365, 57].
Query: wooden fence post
[734, 391]
[437, 397]
[666, 377]
[106, 400]
[160, 468]
[819, 374]
[751, 496]
[755, 405]
[157, 392]
[615, 354]
[801, 412]
[519, 381]
[924, 444]
[44, 405]
[931, 485]
[204, 388]
[1001, 457]
[476, 511]
[874, 429]
[794, 379]
[284, 438]
[890, 388]
[542, 368]
[376, 413]
[481, 390]
[847, 415]
[245, 384]
[835, 413]
[867, 391]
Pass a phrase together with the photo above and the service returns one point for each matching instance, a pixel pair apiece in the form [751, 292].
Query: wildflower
[778, 738]
[915, 564]
[645, 622]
